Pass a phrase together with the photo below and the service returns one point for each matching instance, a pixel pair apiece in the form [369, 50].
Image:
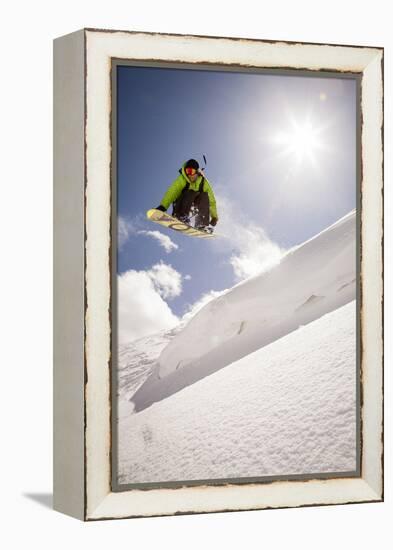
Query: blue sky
[281, 158]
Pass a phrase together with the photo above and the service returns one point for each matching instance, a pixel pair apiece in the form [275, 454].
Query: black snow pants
[198, 199]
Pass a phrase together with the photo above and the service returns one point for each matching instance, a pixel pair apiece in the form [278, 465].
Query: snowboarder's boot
[185, 219]
[205, 228]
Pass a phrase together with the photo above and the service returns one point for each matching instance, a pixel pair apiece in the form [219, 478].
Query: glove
[213, 221]
[161, 208]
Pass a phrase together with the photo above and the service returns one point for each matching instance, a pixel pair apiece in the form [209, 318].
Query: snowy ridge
[311, 280]
[288, 408]
[137, 359]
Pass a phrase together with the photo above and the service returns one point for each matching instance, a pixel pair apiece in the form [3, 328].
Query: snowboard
[173, 223]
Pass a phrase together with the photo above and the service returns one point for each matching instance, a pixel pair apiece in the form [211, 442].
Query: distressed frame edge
[374, 494]
[372, 272]
[69, 489]
[164, 502]
[234, 38]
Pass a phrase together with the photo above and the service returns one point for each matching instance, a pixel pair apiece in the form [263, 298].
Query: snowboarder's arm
[212, 200]
[173, 192]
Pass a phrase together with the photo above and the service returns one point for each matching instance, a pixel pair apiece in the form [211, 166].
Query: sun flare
[301, 141]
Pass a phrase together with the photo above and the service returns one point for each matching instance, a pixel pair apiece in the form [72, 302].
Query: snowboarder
[191, 191]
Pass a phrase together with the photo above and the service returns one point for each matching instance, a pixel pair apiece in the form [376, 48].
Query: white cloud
[124, 230]
[166, 280]
[164, 241]
[252, 250]
[256, 252]
[142, 309]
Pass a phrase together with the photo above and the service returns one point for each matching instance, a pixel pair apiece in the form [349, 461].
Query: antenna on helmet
[205, 161]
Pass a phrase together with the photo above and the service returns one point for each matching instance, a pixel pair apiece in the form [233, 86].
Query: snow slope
[288, 408]
[136, 360]
[311, 280]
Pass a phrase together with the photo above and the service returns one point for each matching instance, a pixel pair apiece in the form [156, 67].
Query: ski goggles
[190, 171]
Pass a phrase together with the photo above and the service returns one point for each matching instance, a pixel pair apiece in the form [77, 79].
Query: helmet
[192, 163]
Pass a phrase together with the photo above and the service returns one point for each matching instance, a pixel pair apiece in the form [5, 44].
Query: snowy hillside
[137, 359]
[288, 408]
[311, 280]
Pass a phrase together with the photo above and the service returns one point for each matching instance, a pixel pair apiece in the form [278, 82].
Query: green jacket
[175, 189]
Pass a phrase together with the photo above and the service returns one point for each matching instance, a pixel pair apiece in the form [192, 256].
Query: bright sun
[300, 142]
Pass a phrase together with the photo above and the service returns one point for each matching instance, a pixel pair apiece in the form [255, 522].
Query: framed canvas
[218, 266]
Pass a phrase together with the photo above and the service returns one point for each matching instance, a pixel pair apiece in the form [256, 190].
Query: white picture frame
[83, 272]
